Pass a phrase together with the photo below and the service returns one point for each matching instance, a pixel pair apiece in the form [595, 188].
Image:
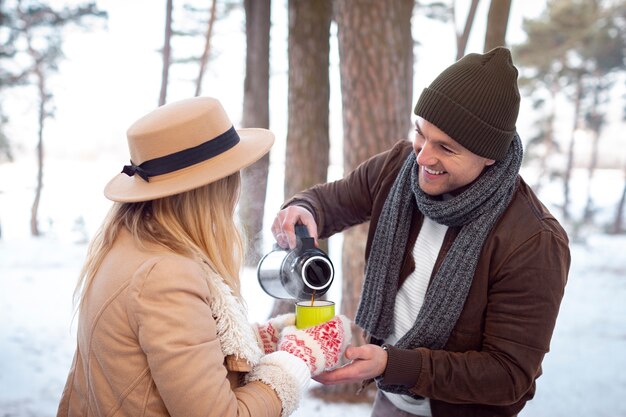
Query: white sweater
[410, 298]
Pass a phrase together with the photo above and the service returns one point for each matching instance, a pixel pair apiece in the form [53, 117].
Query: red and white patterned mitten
[321, 347]
[269, 333]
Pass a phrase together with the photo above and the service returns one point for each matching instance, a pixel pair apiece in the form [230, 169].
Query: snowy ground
[583, 373]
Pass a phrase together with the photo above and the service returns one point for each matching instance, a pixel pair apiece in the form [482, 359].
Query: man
[466, 268]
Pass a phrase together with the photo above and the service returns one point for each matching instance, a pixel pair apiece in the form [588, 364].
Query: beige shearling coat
[157, 337]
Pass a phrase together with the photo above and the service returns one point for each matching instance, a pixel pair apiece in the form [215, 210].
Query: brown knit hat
[475, 101]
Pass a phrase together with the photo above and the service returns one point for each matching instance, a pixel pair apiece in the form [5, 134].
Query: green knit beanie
[475, 101]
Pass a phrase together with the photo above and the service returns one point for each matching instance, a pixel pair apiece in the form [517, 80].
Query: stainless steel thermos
[296, 273]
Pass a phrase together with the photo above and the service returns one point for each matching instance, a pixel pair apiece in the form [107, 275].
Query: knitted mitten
[321, 347]
[269, 333]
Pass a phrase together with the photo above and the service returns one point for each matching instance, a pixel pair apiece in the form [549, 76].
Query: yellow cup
[308, 315]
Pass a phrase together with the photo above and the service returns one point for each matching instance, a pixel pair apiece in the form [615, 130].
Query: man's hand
[283, 227]
[367, 361]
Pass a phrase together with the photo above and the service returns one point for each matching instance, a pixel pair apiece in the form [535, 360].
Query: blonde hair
[198, 223]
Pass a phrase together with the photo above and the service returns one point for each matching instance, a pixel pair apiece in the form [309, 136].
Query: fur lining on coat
[285, 373]
[236, 335]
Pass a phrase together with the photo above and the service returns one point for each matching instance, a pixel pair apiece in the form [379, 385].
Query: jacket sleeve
[349, 201]
[64, 404]
[170, 311]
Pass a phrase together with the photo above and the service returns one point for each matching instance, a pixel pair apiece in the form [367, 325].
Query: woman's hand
[321, 347]
[269, 332]
[367, 361]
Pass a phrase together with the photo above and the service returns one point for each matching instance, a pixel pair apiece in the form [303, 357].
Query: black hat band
[185, 158]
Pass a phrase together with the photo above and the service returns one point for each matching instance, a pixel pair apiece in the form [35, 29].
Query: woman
[162, 329]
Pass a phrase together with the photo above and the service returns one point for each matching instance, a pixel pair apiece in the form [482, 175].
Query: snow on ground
[583, 373]
[37, 336]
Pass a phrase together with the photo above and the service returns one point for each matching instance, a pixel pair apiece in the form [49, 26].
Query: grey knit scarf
[475, 210]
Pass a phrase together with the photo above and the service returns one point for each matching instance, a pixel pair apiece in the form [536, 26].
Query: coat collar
[235, 333]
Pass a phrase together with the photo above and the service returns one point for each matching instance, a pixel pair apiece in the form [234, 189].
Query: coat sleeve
[64, 404]
[349, 201]
[170, 311]
[520, 316]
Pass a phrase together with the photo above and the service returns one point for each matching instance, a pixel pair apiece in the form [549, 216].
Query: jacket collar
[235, 333]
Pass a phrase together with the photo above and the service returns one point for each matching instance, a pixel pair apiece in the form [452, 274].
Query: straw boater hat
[181, 146]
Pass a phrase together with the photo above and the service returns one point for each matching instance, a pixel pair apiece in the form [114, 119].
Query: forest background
[335, 80]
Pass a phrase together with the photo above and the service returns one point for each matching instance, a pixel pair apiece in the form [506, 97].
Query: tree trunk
[309, 94]
[567, 175]
[594, 124]
[461, 39]
[40, 76]
[308, 126]
[255, 114]
[43, 97]
[376, 66]
[593, 163]
[166, 52]
[548, 139]
[618, 224]
[207, 49]
[497, 22]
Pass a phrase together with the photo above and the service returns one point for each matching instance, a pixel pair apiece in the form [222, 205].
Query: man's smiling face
[444, 164]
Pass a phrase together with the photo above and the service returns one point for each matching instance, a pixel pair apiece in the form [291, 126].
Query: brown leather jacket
[148, 344]
[494, 353]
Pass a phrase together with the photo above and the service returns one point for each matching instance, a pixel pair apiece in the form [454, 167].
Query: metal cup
[308, 315]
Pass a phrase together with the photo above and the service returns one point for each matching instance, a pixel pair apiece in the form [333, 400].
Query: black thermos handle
[304, 240]
[301, 231]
